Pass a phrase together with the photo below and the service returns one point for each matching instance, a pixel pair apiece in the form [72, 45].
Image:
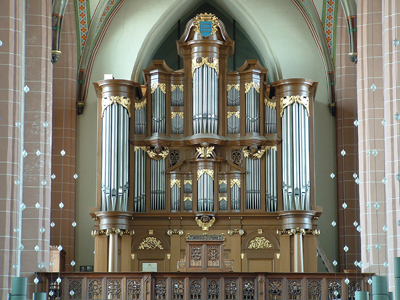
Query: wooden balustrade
[204, 286]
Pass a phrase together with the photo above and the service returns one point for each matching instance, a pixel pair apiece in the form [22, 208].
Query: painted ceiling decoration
[91, 33]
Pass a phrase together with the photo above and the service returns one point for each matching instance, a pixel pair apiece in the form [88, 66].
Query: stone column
[371, 144]
[391, 121]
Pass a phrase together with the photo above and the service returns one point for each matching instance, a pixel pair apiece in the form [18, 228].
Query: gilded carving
[136, 148]
[249, 85]
[204, 152]
[176, 182]
[157, 154]
[236, 231]
[107, 232]
[235, 181]
[162, 87]
[151, 243]
[187, 199]
[140, 105]
[289, 100]
[315, 232]
[123, 101]
[209, 172]
[175, 231]
[175, 86]
[176, 113]
[221, 181]
[270, 103]
[253, 153]
[259, 242]
[205, 17]
[271, 147]
[233, 113]
[222, 198]
[235, 86]
[211, 62]
[187, 181]
[205, 222]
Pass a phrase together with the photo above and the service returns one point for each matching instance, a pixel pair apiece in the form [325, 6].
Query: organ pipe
[157, 185]
[253, 188]
[271, 197]
[295, 153]
[205, 190]
[205, 97]
[252, 107]
[114, 155]
[158, 107]
[139, 199]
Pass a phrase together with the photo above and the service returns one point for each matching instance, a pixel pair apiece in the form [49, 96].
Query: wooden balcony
[204, 286]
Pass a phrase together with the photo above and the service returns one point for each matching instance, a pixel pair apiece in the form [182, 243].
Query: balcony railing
[204, 286]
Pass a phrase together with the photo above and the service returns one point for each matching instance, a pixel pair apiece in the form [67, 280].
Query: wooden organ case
[206, 157]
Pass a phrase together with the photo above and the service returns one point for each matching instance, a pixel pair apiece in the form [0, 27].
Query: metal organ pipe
[114, 156]
[295, 155]
[205, 100]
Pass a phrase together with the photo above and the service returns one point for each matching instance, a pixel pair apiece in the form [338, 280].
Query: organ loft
[205, 169]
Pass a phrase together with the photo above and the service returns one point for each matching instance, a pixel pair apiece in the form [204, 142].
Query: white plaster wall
[277, 29]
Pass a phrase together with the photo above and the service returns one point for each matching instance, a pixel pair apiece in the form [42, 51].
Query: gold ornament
[157, 156]
[210, 173]
[205, 151]
[140, 105]
[222, 198]
[176, 182]
[123, 101]
[175, 86]
[221, 181]
[176, 113]
[187, 181]
[235, 181]
[256, 155]
[151, 243]
[270, 103]
[162, 87]
[211, 62]
[139, 147]
[205, 222]
[259, 242]
[188, 199]
[235, 86]
[231, 113]
[289, 100]
[248, 86]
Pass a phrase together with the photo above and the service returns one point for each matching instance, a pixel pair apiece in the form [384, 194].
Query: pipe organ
[211, 151]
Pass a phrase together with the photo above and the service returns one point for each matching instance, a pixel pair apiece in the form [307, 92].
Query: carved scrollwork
[229, 114]
[249, 85]
[187, 181]
[177, 113]
[289, 100]
[235, 86]
[254, 153]
[260, 242]
[175, 86]
[123, 101]
[157, 153]
[236, 231]
[235, 181]
[140, 105]
[204, 152]
[211, 62]
[175, 231]
[151, 243]
[315, 232]
[209, 172]
[271, 103]
[176, 182]
[136, 148]
[187, 199]
[205, 222]
[107, 232]
[162, 87]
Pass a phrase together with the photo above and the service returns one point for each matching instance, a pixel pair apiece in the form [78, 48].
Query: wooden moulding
[114, 219]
